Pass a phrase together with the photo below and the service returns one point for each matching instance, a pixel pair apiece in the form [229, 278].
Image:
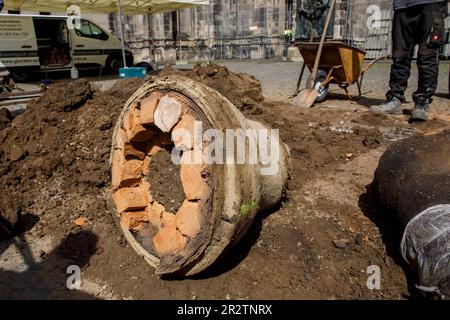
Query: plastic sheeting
[426, 247]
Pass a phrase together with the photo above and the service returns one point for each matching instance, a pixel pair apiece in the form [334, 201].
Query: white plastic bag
[426, 247]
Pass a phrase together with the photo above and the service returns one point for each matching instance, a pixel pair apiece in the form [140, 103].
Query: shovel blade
[305, 98]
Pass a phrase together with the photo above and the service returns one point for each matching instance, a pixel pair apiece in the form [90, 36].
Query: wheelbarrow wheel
[321, 92]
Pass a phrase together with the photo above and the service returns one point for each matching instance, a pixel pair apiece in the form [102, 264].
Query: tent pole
[209, 33]
[179, 34]
[122, 35]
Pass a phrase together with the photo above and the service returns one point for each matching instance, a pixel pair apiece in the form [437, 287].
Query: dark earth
[165, 181]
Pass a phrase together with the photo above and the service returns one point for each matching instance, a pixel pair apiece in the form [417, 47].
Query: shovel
[307, 96]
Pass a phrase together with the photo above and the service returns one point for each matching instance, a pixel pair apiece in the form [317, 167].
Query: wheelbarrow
[340, 64]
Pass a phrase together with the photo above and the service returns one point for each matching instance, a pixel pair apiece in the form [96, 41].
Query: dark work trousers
[413, 26]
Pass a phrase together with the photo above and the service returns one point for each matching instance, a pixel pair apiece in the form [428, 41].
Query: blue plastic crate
[132, 72]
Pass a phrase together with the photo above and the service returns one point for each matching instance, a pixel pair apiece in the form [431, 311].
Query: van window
[89, 30]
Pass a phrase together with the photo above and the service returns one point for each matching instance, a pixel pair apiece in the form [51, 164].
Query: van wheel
[20, 75]
[114, 63]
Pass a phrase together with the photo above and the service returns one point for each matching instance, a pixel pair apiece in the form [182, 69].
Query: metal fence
[253, 29]
[170, 51]
[367, 24]
[236, 29]
[256, 48]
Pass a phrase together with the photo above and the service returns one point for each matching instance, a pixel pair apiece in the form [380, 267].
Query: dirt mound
[243, 90]
[9, 217]
[68, 96]
[319, 140]
[125, 87]
[5, 118]
[54, 157]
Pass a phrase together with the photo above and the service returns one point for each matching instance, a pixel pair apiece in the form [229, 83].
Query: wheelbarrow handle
[365, 69]
[370, 65]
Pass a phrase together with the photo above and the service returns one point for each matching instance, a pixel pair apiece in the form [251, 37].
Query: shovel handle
[322, 40]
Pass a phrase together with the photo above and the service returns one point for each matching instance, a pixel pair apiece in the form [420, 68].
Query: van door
[18, 46]
[92, 45]
[53, 42]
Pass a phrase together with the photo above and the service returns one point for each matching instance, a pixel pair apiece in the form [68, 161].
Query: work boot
[392, 106]
[420, 110]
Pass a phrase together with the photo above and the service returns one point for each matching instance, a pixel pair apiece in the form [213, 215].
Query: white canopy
[104, 6]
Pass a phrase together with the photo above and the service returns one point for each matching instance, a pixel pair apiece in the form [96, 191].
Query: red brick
[125, 173]
[189, 218]
[148, 107]
[135, 131]
[121, 139]
[169, 241]
[168, 113]
[194, 185]
[180, 136]
[155, 213]
[135, 149]
[154, 216]
[185, 102]
[158, 206]
[146, 166]
[130, 199]
[134, 220]
[154, 150]
[145, 186]
[168, 219]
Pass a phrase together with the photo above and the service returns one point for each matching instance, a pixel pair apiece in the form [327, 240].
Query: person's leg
[403, 41]
[432, 23]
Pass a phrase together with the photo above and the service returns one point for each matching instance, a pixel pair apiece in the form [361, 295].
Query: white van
[46, 43]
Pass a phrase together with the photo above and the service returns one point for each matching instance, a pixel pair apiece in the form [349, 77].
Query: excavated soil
[318, 244]
[54, 157]
[5, 118]
[165, 181]
[243, 90]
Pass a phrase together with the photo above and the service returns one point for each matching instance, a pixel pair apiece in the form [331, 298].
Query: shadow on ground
[363, 100]
[47, 279]
[443, 95]
[390, 232]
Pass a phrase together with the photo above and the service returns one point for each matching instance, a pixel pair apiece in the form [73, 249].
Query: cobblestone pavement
[279, 80]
